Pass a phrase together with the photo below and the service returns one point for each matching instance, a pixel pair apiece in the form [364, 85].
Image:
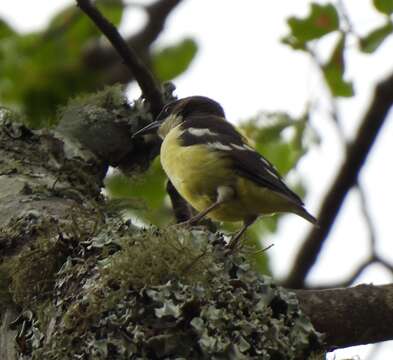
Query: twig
[335, 113]
[104, 58]
[345, 179]
[362, 194]
[367, 216]
[384, 263]
[142, 75]
[350, 279]
[345, 17]
[358, 271]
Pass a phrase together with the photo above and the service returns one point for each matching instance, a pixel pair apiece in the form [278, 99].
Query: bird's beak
[149, 129]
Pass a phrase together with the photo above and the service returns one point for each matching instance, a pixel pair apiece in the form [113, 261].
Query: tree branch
[142, 75]
[104, 58]
[345, 179]
[348, 317]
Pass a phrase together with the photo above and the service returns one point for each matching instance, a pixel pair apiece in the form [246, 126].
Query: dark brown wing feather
[247, 163]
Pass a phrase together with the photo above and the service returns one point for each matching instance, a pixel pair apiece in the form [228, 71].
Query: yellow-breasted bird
[214, 168]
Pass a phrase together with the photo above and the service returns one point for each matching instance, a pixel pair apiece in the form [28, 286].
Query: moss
[32, 272]
[5, 280]
[153, 257]
[29, 276]
[103, 123]
[123, 293]
[44, 311]
[172, 293]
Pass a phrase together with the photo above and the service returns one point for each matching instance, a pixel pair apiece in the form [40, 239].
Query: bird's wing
[251, 165]
[222, 136]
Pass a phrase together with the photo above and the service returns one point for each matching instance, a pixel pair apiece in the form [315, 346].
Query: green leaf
[149, 186]
[40, 71]
[74, 24]
[172, 61]
[375, 38]
[384, 6]
[5, 30]
[146, 193]
[112, 10]
[322, 20]
[334, 69]
[266, 132]
[282, 140]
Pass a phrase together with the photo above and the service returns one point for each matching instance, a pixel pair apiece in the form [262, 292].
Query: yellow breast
[193, 170]
[197, 172]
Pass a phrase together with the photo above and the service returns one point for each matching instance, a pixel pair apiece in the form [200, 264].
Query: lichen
[154, 257]
[103, 123]
[29, 276]
[166, 294]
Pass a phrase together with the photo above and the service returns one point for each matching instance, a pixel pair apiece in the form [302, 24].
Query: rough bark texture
[44, 187]
[354, 316]
[56, 234]
[7, 335]
[77, 281]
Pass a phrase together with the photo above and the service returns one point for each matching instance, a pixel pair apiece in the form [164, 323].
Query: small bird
[214, 168]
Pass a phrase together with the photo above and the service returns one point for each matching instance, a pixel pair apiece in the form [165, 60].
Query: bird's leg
[224, 193]
[234, 241]
[195, 219]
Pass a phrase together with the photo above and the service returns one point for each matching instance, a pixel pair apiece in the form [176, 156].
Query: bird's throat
[168, 124]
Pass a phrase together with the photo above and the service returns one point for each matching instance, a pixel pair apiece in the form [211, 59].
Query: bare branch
[350, 279]
[367, 218]
[348, 317]
[337, 122]
[103, 58]
[142, 75]
[384, 263]
[345, 179]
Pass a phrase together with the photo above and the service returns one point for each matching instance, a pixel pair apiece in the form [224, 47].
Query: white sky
[242, 64]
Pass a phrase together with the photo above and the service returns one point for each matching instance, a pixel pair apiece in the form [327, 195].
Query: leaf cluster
[325, 19]
[40, 71]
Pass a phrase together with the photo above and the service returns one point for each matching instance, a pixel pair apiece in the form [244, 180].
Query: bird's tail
[301, 211]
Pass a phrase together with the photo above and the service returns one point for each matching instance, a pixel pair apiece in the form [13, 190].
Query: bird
[215, 169]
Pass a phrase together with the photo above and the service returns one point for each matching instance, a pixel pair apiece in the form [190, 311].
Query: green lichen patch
[153, 257]
[5, 295]
[29, 277]
[170, 294]
[103, 123]
[33, 271]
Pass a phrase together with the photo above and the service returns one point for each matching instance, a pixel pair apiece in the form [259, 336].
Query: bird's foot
[188, 223]
[235, 243]
[197, 224]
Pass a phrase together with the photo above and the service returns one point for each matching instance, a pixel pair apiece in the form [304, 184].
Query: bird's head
[176, 112]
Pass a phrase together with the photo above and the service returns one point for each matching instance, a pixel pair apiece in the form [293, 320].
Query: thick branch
[142, 75]
[345, 179]
[354, 316]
